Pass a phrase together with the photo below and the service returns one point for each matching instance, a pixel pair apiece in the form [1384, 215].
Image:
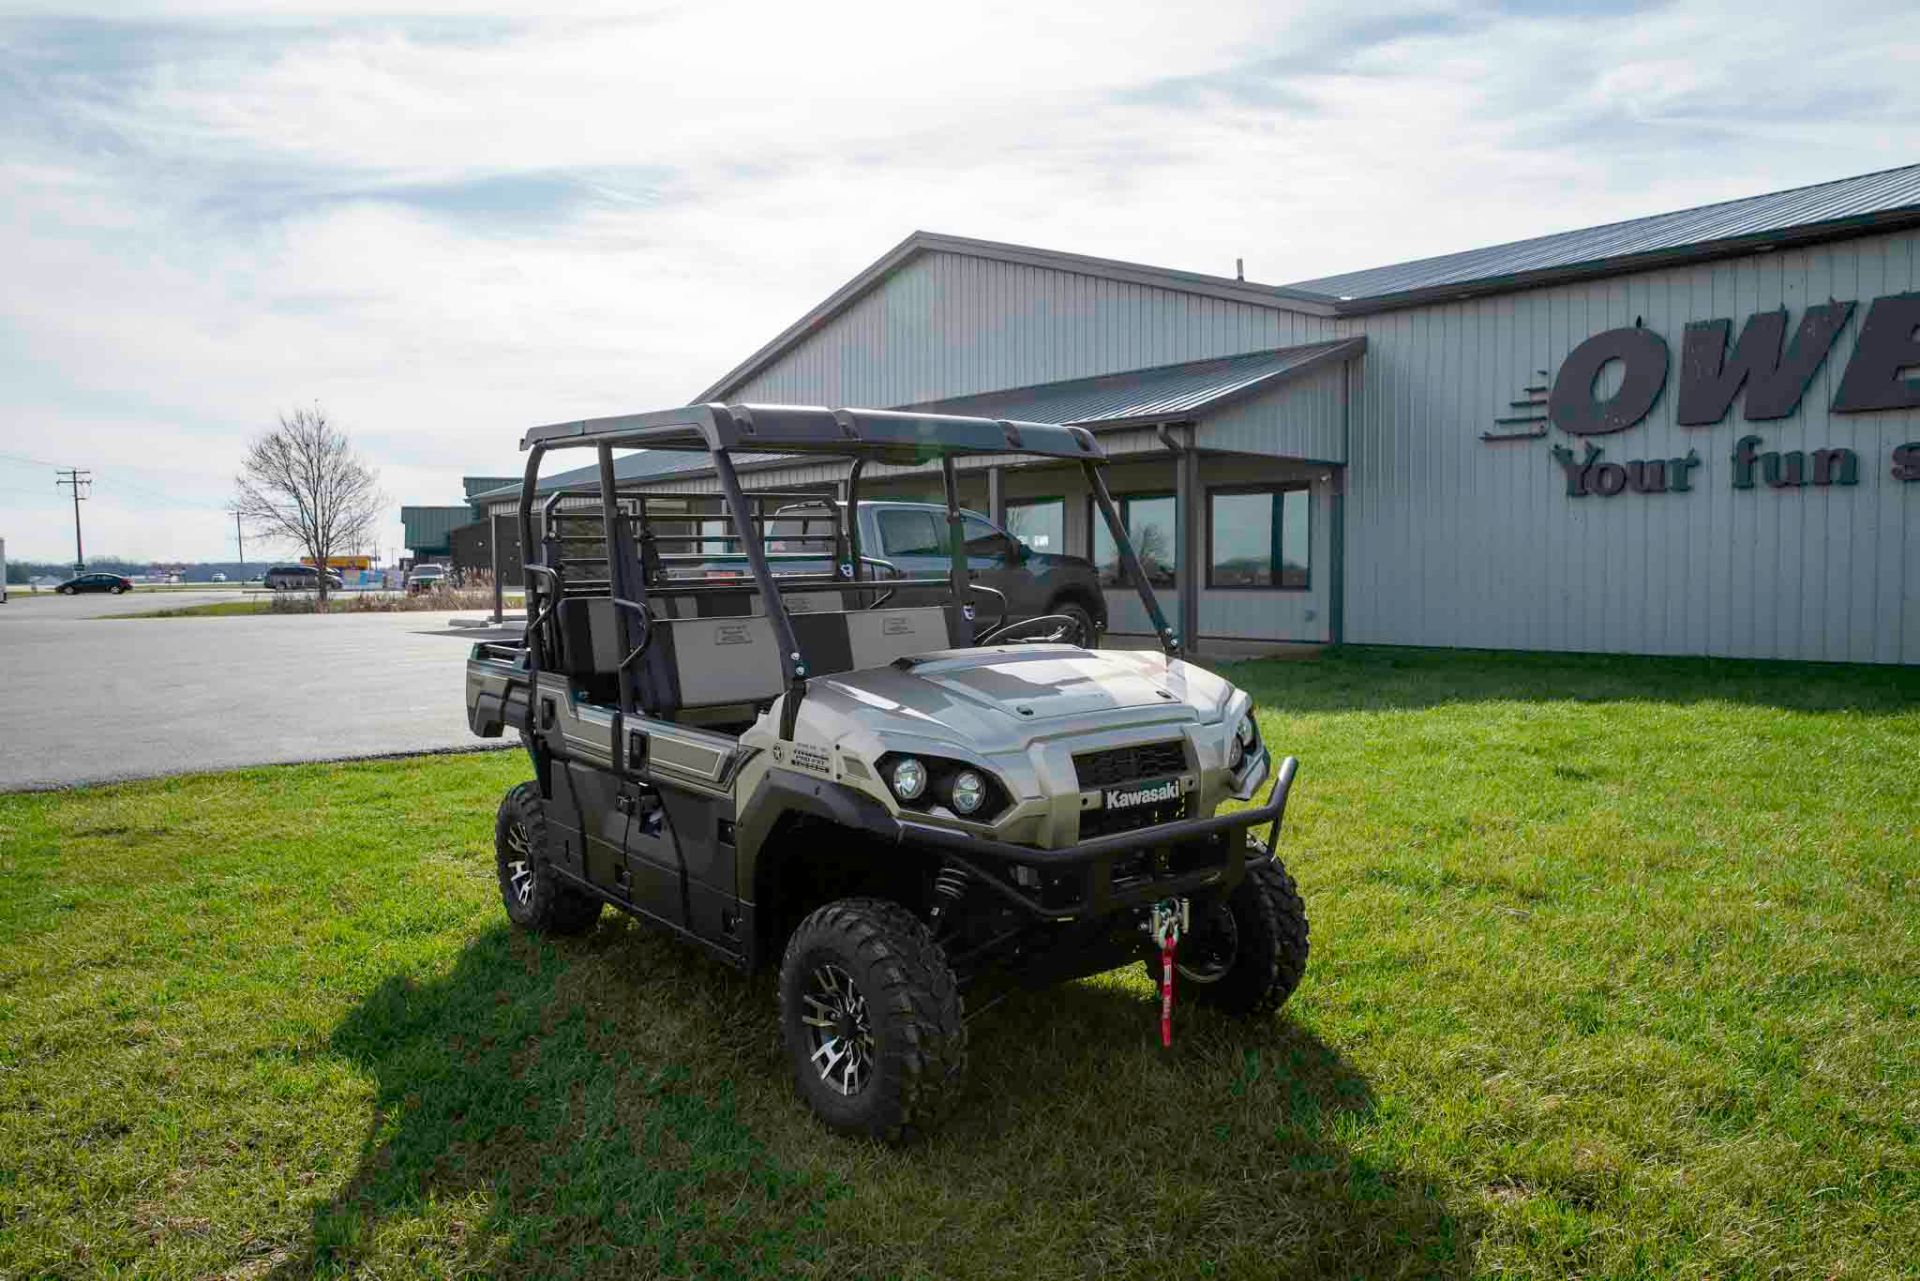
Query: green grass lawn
[1615, 972]
[211, 609]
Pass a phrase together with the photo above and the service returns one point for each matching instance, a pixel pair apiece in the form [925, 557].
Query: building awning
[1164, 393]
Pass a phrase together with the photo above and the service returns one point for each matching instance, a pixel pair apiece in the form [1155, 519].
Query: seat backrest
[721, 660]
[854, 640]
[589, 630]
[743, 601]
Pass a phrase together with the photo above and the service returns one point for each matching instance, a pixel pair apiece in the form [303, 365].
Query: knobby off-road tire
[865, 975]
[1269, 956]
[535, 898]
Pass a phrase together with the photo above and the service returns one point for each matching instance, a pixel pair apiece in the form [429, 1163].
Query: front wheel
[1244, 956]
[870, 1013]
[1088, 636]
[535, 898]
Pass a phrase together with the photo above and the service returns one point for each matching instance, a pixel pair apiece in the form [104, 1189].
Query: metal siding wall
[1451, 541]
[953, 325]
[1265, 614]
[1297, 420]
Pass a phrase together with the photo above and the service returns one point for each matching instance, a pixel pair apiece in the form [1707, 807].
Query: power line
[22, 458]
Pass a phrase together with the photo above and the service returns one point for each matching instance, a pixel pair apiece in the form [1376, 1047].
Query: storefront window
[1154, 529]
[1260, 537]
[1040, 523]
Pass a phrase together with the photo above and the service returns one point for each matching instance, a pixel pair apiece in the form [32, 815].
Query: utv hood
[1018, 691]
[1043, 682]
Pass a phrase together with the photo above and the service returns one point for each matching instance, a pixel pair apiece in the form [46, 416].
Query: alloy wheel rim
[839, 1030]
[520, 866]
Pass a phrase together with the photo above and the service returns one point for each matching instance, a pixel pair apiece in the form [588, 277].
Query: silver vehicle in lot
[898, 804]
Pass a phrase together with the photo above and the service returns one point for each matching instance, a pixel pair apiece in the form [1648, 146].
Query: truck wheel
[870, 1014]
[1089, 638]
[535, 898]
[1246, 955]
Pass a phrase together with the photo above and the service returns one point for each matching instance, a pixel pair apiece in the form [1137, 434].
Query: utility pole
[77, 481]
[242, 542]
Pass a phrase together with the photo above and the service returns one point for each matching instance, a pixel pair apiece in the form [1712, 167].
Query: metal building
[1697, 433]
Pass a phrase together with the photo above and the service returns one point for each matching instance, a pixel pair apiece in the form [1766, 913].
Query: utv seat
[722, 669]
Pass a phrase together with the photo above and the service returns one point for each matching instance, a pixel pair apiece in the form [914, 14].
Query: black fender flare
[783, 791]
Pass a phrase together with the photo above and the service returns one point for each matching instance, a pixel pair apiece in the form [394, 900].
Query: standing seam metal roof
[1870, 201]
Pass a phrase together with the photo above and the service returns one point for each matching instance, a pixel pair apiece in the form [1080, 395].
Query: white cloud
[454, 225]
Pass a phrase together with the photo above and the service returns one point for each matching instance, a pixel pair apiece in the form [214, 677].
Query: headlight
[969, 791]
[1245, 736]
[909, 779]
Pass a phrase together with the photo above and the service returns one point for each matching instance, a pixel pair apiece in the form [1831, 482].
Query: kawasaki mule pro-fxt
[896, 804]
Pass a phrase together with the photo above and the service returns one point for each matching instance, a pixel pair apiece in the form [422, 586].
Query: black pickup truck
[909, 539]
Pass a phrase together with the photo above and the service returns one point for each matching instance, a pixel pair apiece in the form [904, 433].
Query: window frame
[936, 548]
[1273, 487]
[1122, 503]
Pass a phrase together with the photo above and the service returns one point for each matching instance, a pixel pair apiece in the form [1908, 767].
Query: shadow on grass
[618, 1106]
[510, 1138]
[1381, 678]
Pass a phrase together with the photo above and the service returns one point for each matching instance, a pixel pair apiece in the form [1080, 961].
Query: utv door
[615, 844]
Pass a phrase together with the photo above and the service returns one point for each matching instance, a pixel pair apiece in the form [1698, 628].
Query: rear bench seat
[722, 668]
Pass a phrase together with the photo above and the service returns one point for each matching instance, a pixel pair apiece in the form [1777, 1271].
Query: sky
[449, 224]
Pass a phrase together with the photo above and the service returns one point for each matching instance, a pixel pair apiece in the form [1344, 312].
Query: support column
[997, 496]
[1192, 548]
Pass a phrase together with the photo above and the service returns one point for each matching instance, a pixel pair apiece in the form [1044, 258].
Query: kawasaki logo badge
[1143, 794]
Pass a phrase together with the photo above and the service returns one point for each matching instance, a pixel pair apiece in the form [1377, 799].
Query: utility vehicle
[896, 804]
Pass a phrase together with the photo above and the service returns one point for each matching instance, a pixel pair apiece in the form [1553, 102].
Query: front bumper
[1080, 880]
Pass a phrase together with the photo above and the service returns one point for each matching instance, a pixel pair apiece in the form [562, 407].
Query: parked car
[114, 583]
[218, 577]
[424, 578]
[299, 578]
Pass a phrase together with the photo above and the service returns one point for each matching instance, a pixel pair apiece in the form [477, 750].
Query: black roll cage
[862, 435]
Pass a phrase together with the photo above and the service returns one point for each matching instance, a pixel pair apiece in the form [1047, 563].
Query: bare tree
[303, 484]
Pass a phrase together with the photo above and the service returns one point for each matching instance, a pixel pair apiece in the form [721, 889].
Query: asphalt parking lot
[88, 697]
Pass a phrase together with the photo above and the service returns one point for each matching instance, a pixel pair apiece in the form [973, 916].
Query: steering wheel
[1039, 629]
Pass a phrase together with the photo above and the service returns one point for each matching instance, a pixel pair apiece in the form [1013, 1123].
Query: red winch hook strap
[1165, 927]
[1166, 992]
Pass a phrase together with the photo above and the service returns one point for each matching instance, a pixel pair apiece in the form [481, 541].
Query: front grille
[1118, 765]
[1104, 822]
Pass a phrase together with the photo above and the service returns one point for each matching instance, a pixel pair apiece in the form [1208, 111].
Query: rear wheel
[535, 898]
[66, 591]
[1088, 637]
[1245, 956]
[870, 1014]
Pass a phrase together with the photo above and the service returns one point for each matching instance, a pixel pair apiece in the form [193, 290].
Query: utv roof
[883, 435]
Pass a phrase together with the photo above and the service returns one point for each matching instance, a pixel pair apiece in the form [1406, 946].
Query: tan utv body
[900, 806]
